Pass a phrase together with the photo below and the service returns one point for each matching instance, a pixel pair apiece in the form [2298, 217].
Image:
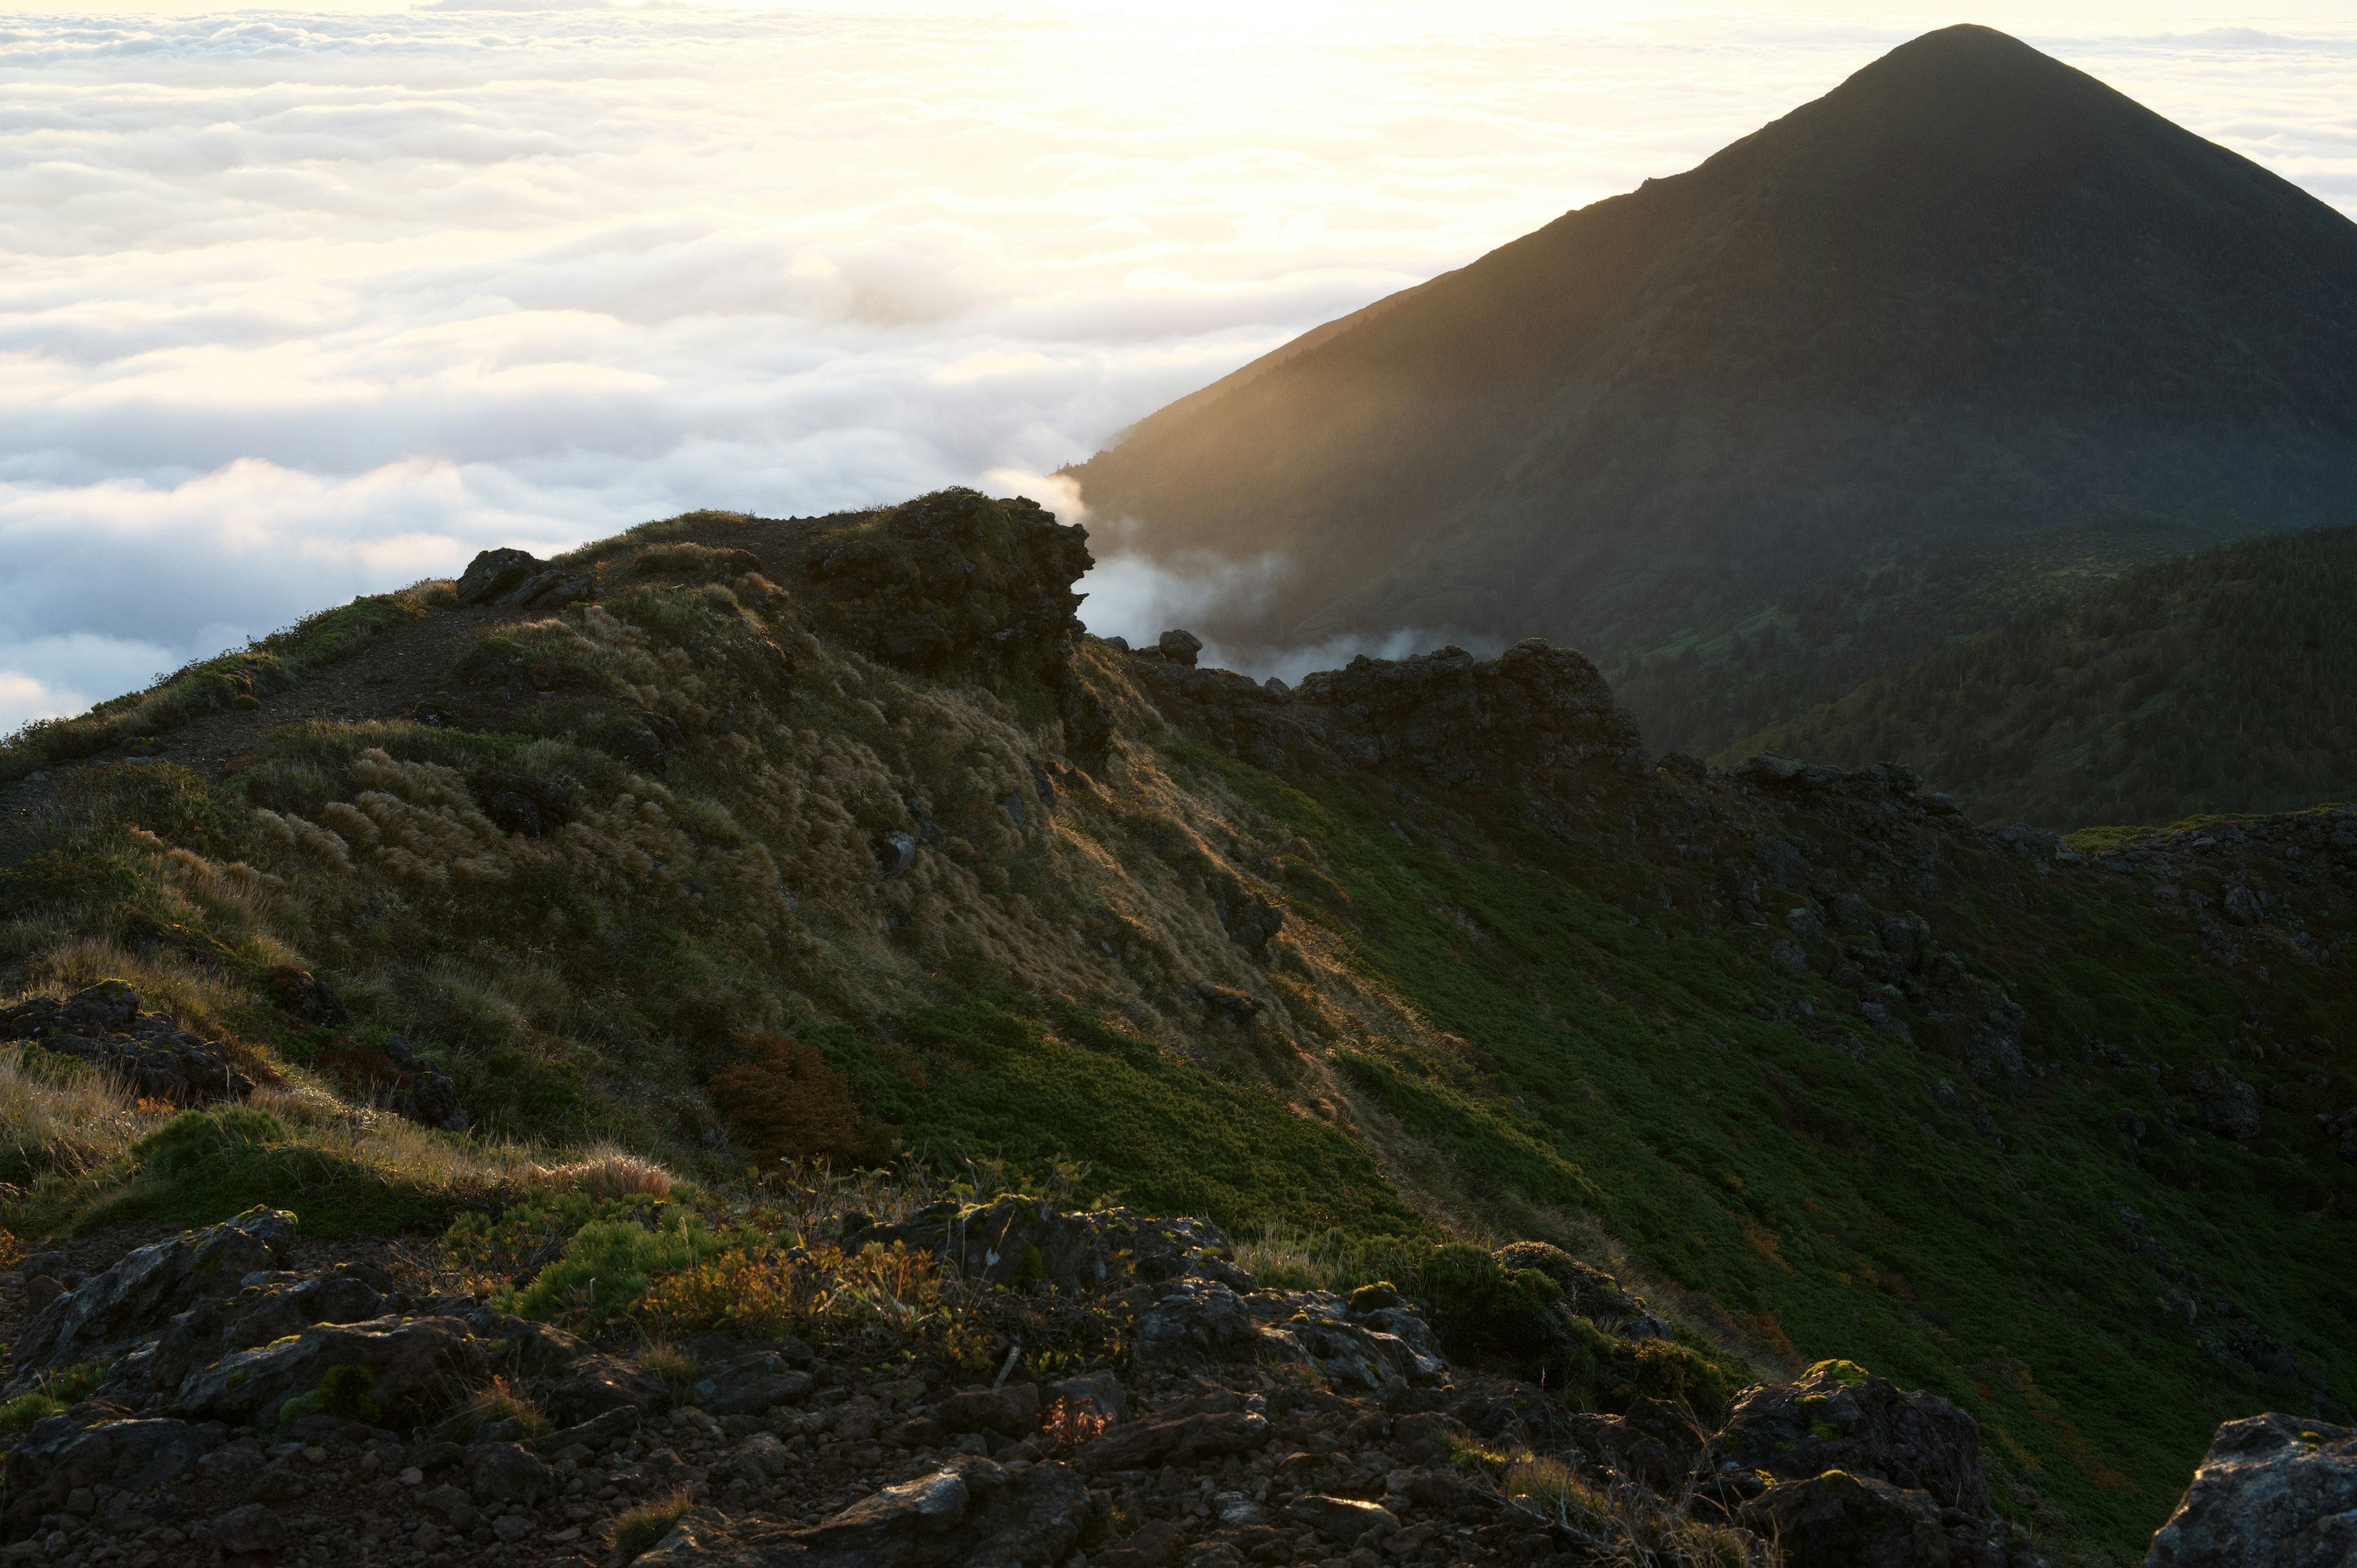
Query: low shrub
[343, 1392]
[638, 1529]
[498, 1403]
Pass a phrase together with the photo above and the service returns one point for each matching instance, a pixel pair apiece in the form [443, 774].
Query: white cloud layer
[294, 306]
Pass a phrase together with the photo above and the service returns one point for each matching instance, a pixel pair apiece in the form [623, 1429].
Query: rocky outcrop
[149, 1053]
[2273, 1491]
[953, 584]
[1536, 717]
[1022, 1239]
[148, 1288]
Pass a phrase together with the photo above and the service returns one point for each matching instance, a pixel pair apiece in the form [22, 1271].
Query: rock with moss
[2273, 1491]
[1838, 1416]
[415, 1363]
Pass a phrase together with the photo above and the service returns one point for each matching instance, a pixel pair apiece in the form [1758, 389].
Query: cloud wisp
[300, 306]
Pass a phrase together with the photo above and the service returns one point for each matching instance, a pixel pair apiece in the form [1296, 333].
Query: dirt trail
[382, 681]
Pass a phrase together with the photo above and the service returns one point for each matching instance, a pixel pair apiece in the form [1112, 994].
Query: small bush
[194, 1139]
[671, 1366]
[59, 1390]
[343, 1392]
[606, 1267]
[647, 1524]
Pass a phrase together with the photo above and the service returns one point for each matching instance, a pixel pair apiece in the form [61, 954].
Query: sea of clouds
[295, 306]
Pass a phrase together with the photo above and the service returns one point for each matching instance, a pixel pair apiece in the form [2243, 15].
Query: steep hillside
[1969, 298]
[2226, 681]
[737, 842]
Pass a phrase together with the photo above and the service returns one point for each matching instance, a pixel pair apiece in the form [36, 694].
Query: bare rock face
[2273, 1491]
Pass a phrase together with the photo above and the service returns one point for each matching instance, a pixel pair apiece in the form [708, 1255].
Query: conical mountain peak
[1971, 294]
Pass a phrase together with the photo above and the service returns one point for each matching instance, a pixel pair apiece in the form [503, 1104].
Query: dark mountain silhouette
[2226, 681]
[1971, 296]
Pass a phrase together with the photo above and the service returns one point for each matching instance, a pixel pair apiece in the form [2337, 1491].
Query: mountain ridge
[740, 842]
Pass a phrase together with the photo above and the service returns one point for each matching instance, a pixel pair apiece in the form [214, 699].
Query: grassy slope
[1488, 1027]
[2223, 681]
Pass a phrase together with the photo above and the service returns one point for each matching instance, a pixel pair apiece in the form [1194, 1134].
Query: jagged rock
[1837, 1416]
[265, 1307]
[60, 1458]
[598, 1384]
[1363, 1348]
[1205, 1427]
[148, 1287]
[1837, 1520]
[2273, 1491]
[417, 1363]
[508, 1473]
[1655, 1442]
[1018, 1238]
[1195, 1321]
[494, 573]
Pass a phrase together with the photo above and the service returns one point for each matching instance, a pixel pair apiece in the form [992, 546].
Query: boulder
[1017, 1240]
[494, 573]
[1837, 1416]
[508, 1473]
[601, 1384]
[149, 1053]
[256, 1527]
[418, 1364]
[1179, 647]
[2273, 1491]
[148, 1287]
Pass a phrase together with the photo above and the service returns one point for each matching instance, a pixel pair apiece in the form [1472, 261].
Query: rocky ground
[259, 1399]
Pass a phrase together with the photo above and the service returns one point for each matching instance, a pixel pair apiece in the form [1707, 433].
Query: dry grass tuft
[608, 1172]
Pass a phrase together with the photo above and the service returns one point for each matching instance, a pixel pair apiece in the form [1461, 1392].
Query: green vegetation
[2221, 683]
[343, 1392]
[58, 1392]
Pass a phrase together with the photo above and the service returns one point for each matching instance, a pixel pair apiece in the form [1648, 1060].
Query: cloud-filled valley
[300, 306]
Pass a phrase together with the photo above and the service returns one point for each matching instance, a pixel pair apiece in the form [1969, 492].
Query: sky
[300, 304]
